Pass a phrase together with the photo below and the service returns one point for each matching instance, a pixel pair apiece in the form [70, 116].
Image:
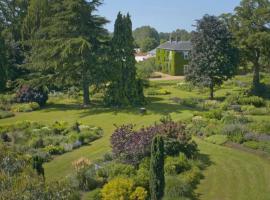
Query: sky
[165, 15]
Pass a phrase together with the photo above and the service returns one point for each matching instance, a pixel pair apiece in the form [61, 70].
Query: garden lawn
[70, 111]
[233, 174]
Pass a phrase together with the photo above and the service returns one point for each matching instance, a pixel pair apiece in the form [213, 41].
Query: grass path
[234, 175]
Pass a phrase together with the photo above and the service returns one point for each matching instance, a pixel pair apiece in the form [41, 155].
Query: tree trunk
[211, 91]
[256, 72]
[256, 76]
[86, 99]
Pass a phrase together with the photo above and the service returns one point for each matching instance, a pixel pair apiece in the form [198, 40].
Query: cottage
[172, 56]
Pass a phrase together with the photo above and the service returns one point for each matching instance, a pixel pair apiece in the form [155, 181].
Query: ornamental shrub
[25, 107]
[176, 188]
[86, 175]
[252, 100]
[26, 94]
[214, 114]
[139, 194]
[262, 127]
[252, 110]
[118, 188]
[114, 169]
[54, 150]
[176, 165]
[235, 132]
[132, 146]
[142, 176]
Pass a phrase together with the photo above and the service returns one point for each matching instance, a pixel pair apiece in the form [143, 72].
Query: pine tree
[157, 182]
[65, 48]
[124, 89]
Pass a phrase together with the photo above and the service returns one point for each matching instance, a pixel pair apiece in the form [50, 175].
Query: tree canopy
[250, 25]
[3, 64]
[179, 34]
[146, 37]
[65, 42]
[213, 58]
[125, 88]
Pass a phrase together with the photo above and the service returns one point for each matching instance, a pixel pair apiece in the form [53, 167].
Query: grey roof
[153, 52]
[176, 45]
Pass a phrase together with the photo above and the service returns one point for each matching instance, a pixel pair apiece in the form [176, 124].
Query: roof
[153, 52]
[176, 45]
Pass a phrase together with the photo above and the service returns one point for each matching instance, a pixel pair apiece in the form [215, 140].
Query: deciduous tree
[250, 24]
[213, 58]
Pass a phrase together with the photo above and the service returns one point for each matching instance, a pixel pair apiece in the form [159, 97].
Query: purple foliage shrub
[132, 146]
[27, 94]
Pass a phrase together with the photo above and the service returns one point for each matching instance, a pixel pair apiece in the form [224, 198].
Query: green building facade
[172, 57]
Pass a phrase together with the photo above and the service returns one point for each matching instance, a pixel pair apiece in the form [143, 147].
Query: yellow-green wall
[171, 62]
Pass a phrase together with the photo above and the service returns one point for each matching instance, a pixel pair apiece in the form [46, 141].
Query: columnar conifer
[157, 182]
[124, 88]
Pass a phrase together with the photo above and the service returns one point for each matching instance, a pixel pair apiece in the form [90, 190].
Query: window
[186, 55]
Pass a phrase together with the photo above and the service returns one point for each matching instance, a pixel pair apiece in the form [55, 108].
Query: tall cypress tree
[124, 88]
[65, 48]
[157, 180]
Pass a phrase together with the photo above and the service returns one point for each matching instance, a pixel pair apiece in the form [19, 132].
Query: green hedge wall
[171, 62]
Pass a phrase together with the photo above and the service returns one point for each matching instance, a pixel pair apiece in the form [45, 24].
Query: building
[173, 56]
[139, 56]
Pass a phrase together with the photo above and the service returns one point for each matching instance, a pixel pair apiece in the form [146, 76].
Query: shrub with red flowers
[27, 94]
[132, 146]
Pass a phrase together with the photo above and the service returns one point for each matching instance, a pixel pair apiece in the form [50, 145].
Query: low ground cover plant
[6, 114]
[25, 107]
[155, 91]
[217, 139]
[56, 139]
[19, 180]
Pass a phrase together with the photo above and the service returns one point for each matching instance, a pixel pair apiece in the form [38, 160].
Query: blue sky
[165, 15]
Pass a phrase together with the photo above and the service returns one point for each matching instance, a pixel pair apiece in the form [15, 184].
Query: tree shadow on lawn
[155, 105]
[155, 108]
[206, 162]
[50, 107]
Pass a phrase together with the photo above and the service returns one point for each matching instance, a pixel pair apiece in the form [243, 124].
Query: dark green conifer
[3, 64]
[157, 180]
[65, 49]
[125, 88]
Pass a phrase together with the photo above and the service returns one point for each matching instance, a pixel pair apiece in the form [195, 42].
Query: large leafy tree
[146, 37]
[213, 58]
[250, 24]
[124, 88]
[67, 42]
[157, 183]
[179, 34]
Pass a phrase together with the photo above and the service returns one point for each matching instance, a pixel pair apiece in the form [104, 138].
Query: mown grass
[232, 175]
